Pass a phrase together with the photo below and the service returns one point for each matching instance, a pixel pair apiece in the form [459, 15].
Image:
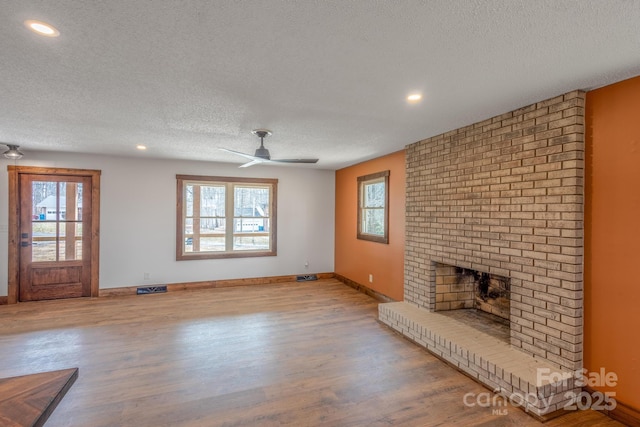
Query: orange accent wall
[356, 259]
[612, 236]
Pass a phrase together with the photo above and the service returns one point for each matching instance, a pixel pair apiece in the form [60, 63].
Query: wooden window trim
[361, 181]
[182, 256]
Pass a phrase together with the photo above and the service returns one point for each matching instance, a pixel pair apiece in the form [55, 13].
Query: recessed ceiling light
[414, 97]
[141, 147]
[42, 28]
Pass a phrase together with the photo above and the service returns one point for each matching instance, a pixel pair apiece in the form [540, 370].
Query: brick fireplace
[503, 197]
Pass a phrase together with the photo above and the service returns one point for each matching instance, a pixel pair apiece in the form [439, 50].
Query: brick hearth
[487, 359]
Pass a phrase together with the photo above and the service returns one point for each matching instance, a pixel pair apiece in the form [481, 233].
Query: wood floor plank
[300, 353]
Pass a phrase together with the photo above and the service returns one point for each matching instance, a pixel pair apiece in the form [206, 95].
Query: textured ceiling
[328, 77]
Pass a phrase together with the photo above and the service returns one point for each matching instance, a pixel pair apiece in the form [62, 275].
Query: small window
[221, 217]
[373, 211]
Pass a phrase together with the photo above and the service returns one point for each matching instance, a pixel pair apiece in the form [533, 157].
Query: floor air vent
[306, 278]
[151, 290]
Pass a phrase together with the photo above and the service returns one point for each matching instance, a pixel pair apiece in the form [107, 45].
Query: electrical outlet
[371, 278]
[147, 276]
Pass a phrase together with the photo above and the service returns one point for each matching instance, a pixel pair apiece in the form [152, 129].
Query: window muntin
[373, 207]
[221, 217]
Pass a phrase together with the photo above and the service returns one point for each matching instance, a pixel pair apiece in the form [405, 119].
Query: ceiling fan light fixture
[13, 153]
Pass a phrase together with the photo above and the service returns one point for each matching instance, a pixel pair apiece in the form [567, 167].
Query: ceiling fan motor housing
[263, 153]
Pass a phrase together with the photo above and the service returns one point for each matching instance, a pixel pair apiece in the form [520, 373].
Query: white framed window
[224, 217]
[373, 207]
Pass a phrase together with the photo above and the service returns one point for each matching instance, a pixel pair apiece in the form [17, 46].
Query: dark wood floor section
[28, 400]
[299, 354]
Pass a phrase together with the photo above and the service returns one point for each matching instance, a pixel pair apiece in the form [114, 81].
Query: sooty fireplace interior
[460, 288]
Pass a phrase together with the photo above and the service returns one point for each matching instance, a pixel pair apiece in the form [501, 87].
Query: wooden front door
[56, 231]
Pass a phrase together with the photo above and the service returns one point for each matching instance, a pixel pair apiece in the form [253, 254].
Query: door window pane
[56, 229]
[62, 241]
[78, 245]
[44, 200]
[43, 241]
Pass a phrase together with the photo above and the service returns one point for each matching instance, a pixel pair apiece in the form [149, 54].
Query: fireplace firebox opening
[465, 288]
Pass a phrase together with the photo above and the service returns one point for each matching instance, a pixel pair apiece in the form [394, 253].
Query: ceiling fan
[262, 154]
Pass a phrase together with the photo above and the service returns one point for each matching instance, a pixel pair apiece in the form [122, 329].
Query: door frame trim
[14, 222]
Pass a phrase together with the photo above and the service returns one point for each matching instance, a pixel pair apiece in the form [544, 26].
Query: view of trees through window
[227, 216]
[373, 208]
[373, 197]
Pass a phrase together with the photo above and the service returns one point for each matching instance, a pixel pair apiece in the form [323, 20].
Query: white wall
[138, 219]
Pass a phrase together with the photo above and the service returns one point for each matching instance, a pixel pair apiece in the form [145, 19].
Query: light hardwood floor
[299, 354]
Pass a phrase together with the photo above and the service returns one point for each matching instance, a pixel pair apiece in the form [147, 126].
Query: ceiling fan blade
[253, 162]
[295, 160]
[246, 156]
[263, 155]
